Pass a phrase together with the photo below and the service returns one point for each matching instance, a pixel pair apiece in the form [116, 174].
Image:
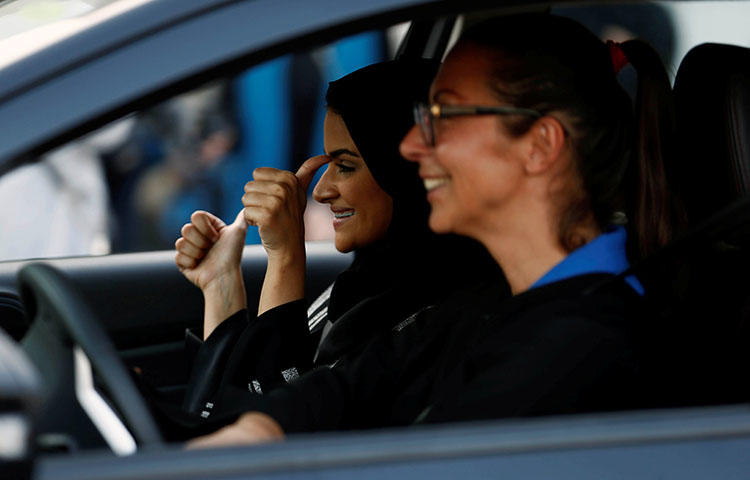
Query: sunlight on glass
[28, 26]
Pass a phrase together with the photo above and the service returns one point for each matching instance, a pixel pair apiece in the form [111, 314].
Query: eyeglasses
[425, 113]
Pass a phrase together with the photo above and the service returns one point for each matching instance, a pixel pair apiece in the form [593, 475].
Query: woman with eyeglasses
[529, 145]
[379, 213]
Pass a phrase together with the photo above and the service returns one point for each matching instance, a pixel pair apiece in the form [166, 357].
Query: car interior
[107, 318]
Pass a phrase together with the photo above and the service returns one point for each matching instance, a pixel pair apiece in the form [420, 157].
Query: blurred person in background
[59, 205]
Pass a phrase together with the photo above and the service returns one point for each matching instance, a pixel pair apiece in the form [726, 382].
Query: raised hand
[209, 248]
[275, 202]
[209, 254]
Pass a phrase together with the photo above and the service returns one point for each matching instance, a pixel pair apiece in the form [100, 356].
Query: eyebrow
[343, 151]
[436, 96]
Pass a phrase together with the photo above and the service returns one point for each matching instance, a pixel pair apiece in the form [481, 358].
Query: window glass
[27, 26]
[133, 184]
[672, 28]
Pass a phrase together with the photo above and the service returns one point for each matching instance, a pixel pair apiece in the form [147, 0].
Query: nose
[325, 191]
[412, 146]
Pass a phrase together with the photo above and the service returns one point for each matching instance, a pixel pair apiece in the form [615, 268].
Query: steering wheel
[65, 331]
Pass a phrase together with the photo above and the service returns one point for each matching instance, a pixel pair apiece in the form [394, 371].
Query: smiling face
[472, 174]
[362, 210]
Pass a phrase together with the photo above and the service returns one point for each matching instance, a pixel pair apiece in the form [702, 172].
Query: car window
[131, 185]
[672, 28]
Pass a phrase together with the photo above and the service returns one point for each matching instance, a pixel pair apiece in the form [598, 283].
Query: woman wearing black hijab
[380, 213]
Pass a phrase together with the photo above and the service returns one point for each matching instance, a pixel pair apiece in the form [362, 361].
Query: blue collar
[604, 254]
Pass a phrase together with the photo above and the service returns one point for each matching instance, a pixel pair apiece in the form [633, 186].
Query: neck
[528, 250]
[525, 259]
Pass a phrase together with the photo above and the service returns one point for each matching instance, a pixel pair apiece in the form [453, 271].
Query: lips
[341, 216]
[433, 183]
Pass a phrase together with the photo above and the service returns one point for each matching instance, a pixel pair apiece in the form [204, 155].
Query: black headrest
[712, 95]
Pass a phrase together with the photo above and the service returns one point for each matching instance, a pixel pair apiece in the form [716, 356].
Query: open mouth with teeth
[341, 217]
[433, 183]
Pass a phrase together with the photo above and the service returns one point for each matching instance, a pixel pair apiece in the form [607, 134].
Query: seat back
[712, 101]
[707, 299]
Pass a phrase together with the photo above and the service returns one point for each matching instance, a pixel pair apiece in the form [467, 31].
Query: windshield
[27, 26]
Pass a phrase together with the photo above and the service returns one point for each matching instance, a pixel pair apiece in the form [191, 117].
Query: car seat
[701, 289]
[712, 94]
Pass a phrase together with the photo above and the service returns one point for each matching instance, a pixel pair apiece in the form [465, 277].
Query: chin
[439, 224]
[343, 245]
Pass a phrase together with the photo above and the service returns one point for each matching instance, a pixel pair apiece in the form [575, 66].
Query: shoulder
[580, 314]
[597, 297]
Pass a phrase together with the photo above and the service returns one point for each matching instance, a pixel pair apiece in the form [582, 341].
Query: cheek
[466, 175]
[374, 212]
[378, 213]
[482, 179]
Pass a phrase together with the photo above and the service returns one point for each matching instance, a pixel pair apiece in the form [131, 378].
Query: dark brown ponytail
[654, 211]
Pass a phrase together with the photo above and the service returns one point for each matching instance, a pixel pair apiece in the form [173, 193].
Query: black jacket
[570, 346]
[383, 286]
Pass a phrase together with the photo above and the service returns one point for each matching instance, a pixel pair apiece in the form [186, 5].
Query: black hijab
[375, 103]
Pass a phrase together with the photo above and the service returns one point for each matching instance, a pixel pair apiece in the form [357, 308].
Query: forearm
[284, 281]
[281, 409]
[250, 428]
[222, 298]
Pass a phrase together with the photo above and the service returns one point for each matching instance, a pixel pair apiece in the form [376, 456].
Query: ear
[545, 143]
